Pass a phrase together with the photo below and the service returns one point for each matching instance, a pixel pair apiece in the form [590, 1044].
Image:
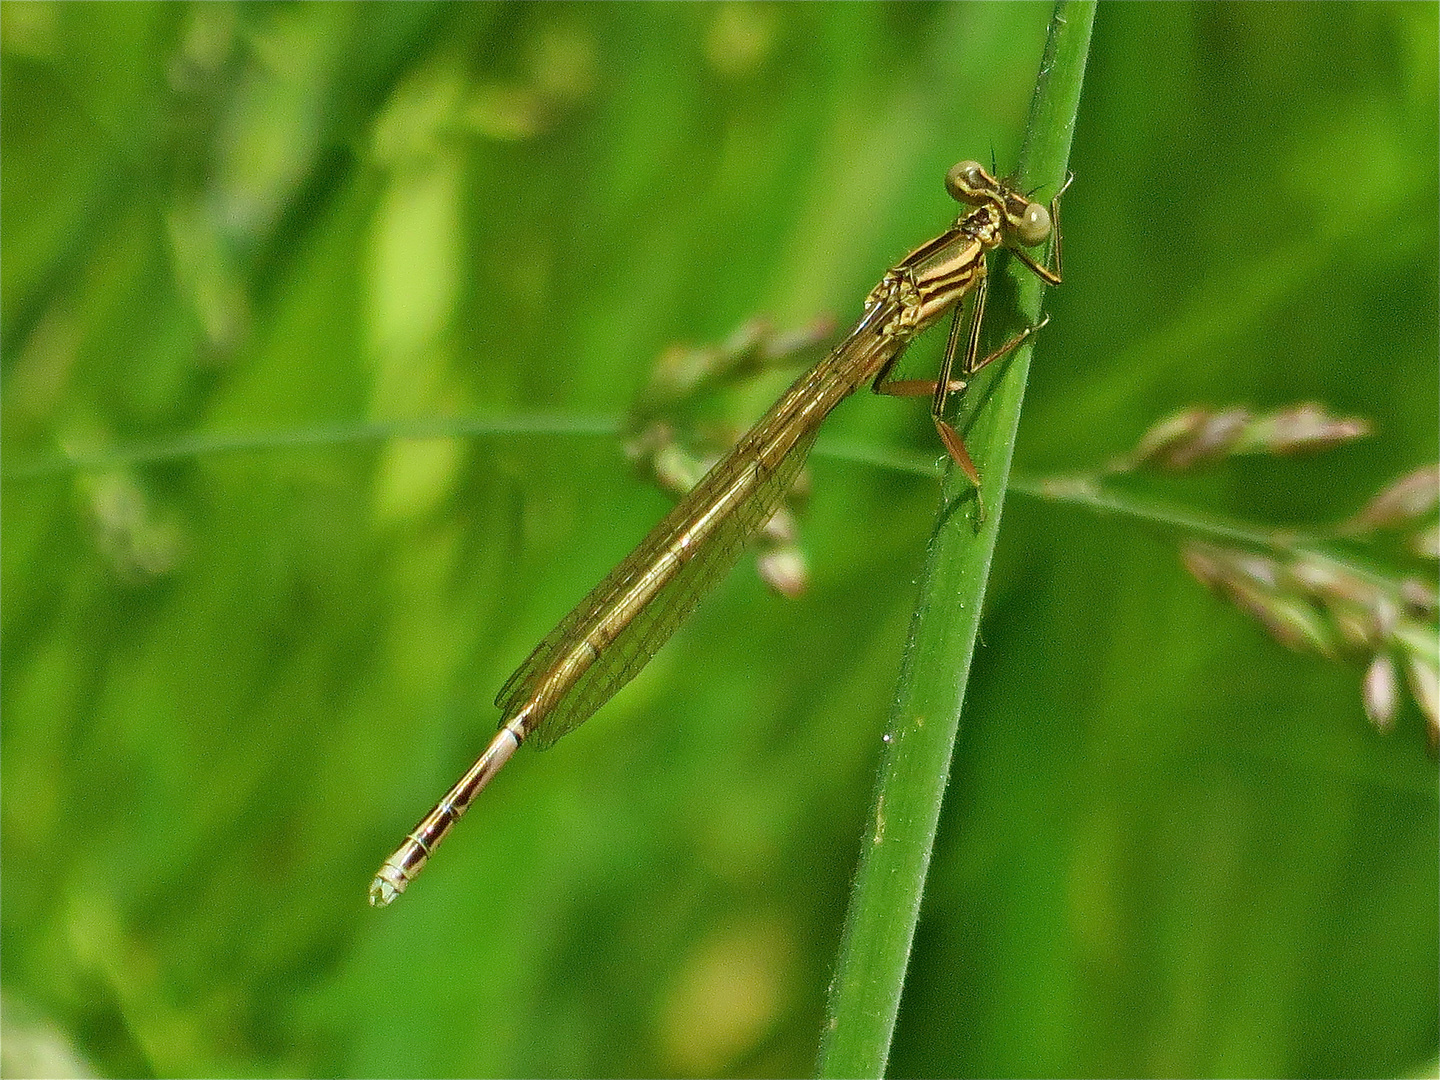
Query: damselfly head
[1027, 223]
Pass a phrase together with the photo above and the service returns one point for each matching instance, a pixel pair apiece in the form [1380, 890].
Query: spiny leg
[939, 389]
[954, 445]
[915, 387]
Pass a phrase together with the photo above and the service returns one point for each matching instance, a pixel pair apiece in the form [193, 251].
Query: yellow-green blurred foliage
[232, 679]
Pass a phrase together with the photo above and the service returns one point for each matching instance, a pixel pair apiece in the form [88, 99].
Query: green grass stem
[920, 735]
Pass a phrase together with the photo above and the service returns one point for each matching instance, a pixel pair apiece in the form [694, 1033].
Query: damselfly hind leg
[954, 444]
[969, 365]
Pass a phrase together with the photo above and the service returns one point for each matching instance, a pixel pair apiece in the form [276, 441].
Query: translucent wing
[615, 630]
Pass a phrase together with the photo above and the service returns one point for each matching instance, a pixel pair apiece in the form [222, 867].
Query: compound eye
[1034, 225]
[966, 182]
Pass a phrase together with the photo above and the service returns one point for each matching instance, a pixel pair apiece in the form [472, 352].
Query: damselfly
[613, 632]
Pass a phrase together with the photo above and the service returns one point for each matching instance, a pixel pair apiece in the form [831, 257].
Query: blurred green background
[233, 680]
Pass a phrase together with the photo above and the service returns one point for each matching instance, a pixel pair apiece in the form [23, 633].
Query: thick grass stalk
[920, 736]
